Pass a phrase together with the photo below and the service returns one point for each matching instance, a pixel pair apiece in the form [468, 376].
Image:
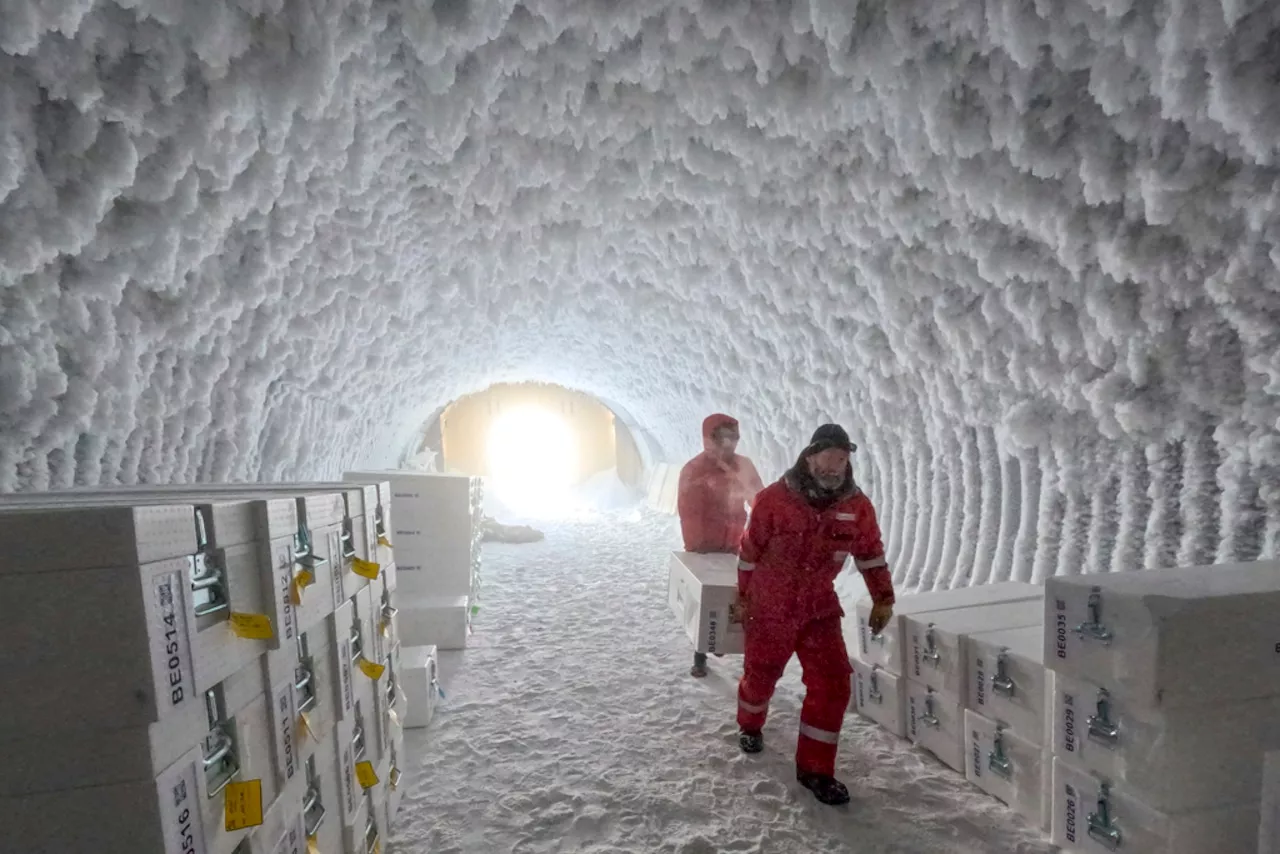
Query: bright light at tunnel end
[533, 462]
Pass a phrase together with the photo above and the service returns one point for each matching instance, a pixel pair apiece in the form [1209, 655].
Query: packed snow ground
[571, 724]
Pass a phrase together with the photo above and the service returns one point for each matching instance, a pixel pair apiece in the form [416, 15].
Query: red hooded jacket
[793, 552]
[714, 493]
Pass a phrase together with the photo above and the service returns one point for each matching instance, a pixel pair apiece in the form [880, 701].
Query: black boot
[699, 668]
[826, 789]
[751, 742]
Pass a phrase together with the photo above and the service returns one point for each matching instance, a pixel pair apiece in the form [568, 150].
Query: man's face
[725, 440]
[828, 467]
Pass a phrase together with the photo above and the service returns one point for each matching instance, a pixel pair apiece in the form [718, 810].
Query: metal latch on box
[208, 575]
[1093, 627]
[312, 806]
[1000, 681]
[873, 694]
[370, 829]
[391, 681]
[221, 765]
[930, 653]
[357, 734]
[348, 540]
[997, 760]
[1101, 728]
[1102, 828]
[304, 676]
[929, 718]
[304, 550]
[379, 526]
[356, 637]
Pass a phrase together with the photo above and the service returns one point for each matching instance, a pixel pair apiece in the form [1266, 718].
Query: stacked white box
[883, 655]
[154, 578]
[1167, 695]
[937, 671]
[438, 527]
[702, 590]
[1009, 697]
[421, 684]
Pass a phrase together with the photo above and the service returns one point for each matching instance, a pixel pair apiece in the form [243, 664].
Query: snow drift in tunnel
[1025, 252]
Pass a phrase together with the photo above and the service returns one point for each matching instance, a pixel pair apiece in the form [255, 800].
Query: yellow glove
[880, 615]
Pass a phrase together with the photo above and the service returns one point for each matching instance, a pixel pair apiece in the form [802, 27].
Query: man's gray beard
[829, 481]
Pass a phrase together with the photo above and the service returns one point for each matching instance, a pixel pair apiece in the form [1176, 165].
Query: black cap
[829, 436]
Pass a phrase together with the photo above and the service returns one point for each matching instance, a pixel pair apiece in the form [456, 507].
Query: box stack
[205, 669]
[1166, 699]
[702, 590]
[959, 672]
[437, 532]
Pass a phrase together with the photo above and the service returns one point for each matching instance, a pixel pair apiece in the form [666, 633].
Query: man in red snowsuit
[715, 488]
[803, 529]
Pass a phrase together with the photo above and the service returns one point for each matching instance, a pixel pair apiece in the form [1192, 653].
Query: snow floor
[570, 723]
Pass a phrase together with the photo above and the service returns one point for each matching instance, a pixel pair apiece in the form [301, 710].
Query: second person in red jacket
[715, 489]
[803, 529]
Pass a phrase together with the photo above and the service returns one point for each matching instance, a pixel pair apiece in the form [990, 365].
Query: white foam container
[1006, 766]
[1169, 637]
[879, 695]
[1173, 759]
[888, 651]
[702, 591]
[1008, 681]
[937, 642]
[935, 722]
[1133, 827]
[440, 621]
[421, 684]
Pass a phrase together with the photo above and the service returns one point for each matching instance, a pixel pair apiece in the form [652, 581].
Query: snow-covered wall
[1025, 251]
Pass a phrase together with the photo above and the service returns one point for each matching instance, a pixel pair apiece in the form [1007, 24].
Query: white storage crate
[1008, 681]
[880, 696]
[702, 590]
[436, 532]
[935, 722]
[1005, 766]
[421, 684]
[1092, 816]
[1170, 637]
[1170, 759]
[937, 641]
[440, 621]
[90, 755]
[886, 650]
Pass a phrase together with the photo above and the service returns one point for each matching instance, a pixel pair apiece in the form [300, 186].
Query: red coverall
[789, 560]
[713, 494]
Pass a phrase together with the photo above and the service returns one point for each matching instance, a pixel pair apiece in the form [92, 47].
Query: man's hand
[880, 615]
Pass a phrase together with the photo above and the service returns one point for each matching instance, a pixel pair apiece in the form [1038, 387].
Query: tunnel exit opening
[544, 450]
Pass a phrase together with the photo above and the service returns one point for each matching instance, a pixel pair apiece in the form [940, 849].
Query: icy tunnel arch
[1028, 262]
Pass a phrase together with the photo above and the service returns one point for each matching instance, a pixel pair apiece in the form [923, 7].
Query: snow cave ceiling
[1025, 251]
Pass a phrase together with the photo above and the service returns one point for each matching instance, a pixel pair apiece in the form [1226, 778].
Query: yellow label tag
[366, 775]
[365, 568]
[377, 846]
[304, 725]
[243, 805]
[252, 626]
[313, 847]
[371, 669]
[383, 541]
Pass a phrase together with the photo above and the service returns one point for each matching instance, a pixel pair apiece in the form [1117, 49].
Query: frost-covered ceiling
[1026, 251]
